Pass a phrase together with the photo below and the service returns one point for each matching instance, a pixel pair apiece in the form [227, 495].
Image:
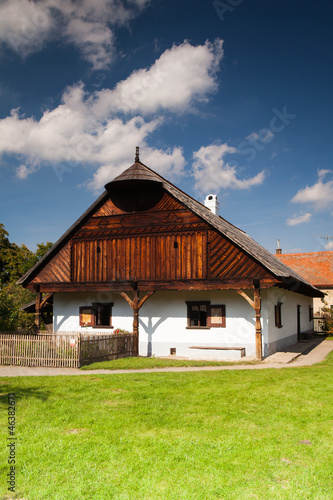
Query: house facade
[148, 258]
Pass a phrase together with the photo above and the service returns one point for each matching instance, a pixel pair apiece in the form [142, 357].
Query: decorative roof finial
[137, 158]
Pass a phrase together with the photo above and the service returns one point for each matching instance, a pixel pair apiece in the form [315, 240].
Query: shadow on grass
[21, 393]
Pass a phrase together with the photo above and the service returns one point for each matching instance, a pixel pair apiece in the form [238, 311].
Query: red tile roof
[315, 267]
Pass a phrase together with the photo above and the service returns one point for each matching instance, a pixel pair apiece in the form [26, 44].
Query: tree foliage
[15, 261]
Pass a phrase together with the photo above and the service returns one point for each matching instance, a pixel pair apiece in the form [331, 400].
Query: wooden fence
[65, 349]
[102, 347]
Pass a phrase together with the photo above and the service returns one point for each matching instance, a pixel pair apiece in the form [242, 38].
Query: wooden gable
[166, 242]
[167, 246]
[58, 270]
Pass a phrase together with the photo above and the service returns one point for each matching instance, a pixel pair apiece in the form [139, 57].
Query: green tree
[8, 312]
[15, 261]
[4, 250]
[42, 248]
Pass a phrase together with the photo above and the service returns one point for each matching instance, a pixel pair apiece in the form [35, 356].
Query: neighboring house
[203, 288]
[317, 269]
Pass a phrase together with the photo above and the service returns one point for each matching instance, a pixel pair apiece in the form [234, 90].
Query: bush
[8, 312]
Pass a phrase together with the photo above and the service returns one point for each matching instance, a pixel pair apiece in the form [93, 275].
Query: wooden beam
[126, 286]
[38, 314]
[43, 302]
[127, 298]
[136, 305]
[246, 297]
[142, 301]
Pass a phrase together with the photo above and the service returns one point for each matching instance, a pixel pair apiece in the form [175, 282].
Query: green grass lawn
[250, 434]
[143, 362]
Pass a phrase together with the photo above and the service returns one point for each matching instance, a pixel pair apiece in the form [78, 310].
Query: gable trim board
[169, 244]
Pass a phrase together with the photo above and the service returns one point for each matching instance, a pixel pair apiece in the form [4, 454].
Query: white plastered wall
[163, 321]
[282, 338]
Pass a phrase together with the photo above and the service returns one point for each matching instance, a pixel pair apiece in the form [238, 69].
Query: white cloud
[93, 129]
[212, 172]
[320, 195]
[94, 40]
[299, 219]
[25, 25]
[182, 75]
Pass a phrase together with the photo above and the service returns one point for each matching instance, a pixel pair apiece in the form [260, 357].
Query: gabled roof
[138, 171]
[315, 267]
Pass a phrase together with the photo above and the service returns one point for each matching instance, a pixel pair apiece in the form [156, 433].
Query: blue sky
[227, 97]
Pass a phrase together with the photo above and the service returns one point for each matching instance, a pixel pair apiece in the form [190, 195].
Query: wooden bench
[241, 349]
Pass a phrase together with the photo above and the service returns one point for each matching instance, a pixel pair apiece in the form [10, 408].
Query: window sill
[100, 327]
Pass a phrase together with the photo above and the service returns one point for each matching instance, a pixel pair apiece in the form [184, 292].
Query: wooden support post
[257, 306]
[38, 308]
[136, 305]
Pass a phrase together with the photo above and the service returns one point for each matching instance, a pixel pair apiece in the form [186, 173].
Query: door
[298, 323]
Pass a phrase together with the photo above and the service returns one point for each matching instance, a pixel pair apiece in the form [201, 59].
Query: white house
[149, 258]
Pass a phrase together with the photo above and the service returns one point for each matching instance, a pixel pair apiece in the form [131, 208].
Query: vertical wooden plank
[78, 260]
[153, 258]
[127, 250]
[183, 247]
[178, 257]
[111, 271]
[194, 247]
[188, 256]
[143, 258]
[162, 256]
[137, 257]
[199, 255]
[168, 256]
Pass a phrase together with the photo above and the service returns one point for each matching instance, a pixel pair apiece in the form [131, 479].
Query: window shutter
[216, 316]
[87, 316]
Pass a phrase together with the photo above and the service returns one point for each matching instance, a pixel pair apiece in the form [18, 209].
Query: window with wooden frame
[278, 315]
[201, 314]
[99, 315]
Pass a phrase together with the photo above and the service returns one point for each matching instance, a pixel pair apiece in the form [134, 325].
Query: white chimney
[212, 203]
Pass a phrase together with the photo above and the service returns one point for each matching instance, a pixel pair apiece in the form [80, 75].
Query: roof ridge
[305, 253]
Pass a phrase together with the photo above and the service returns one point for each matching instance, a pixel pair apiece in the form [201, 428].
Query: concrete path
[318, 353]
